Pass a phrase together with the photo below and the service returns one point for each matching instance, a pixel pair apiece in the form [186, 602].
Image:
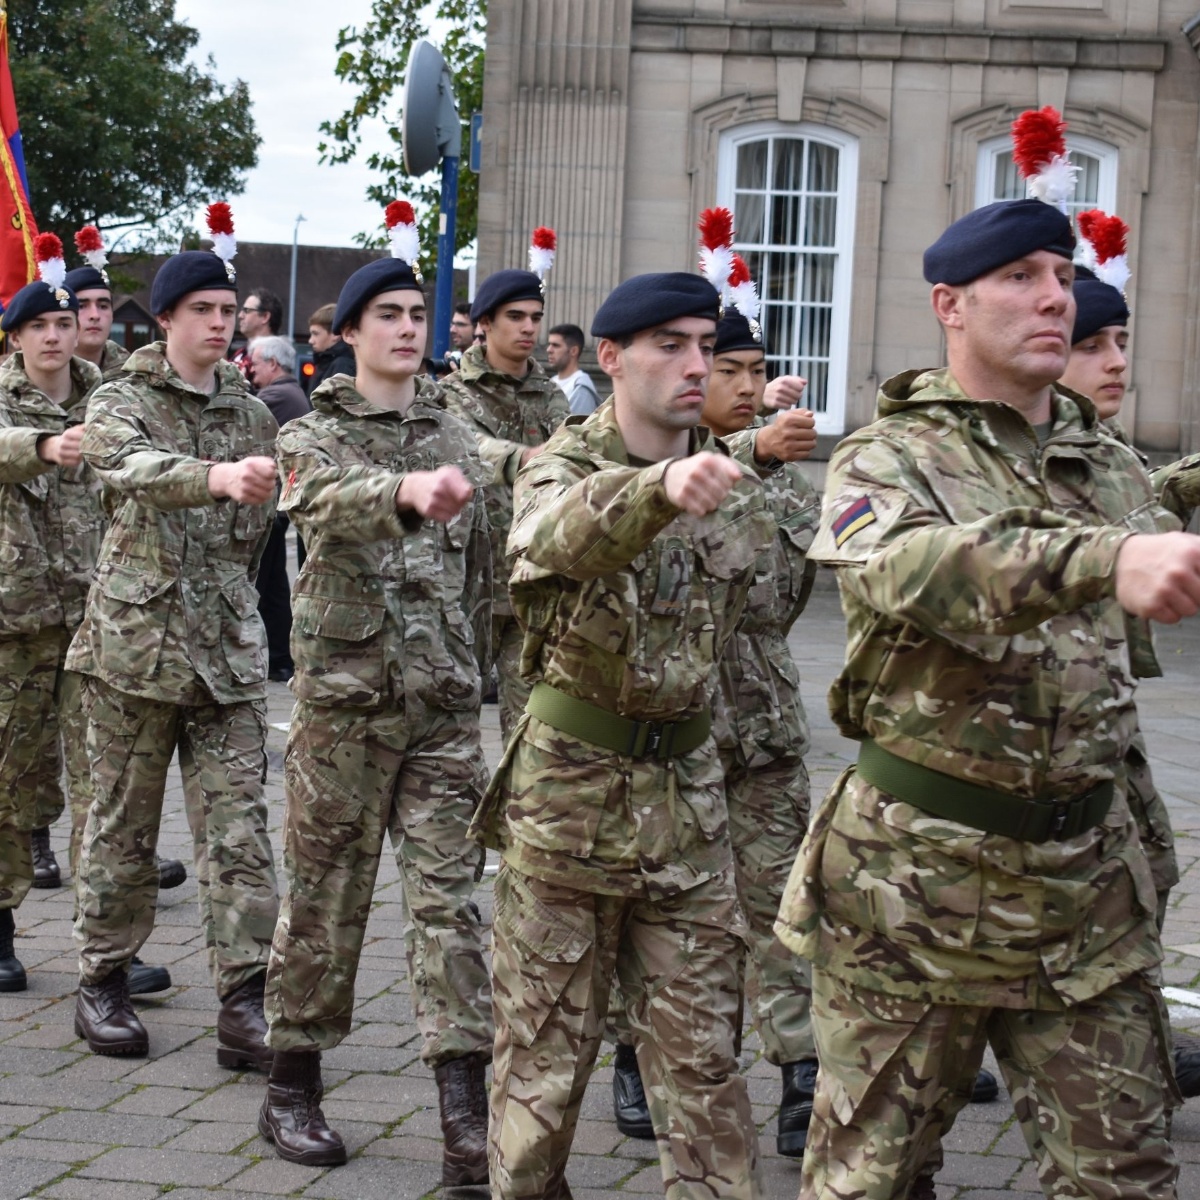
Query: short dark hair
[324, 316]
[571, 334]
[462, 310]
[272, 306]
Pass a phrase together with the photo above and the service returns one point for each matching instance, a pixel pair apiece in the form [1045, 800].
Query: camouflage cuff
[19, 458]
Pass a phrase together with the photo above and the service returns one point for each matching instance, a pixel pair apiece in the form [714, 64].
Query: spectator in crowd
[562, 357]
[260, 315]
[331, 356]
[462, 328]
[272, 366]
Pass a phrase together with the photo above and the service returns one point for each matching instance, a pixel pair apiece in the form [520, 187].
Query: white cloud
[286, 53]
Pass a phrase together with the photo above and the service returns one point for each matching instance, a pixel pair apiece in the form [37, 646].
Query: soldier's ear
[608, 356]
[947, 304]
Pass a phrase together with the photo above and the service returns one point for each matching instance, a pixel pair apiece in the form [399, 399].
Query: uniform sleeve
[477, 595]
[586, 527]
[359, 501]
[1177, 486]
[741, 450]
[116, 447]
[901, 555]
[19, 460]
[502, 457]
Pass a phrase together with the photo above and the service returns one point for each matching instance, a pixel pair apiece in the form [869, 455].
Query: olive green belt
[1040, 819]
[639, 739]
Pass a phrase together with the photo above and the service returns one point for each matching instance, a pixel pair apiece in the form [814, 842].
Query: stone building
[845, 135]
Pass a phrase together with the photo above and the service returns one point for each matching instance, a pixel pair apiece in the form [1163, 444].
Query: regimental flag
[854, 517]
[17, 229]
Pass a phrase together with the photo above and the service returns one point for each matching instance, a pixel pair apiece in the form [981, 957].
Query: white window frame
[1107, 154]
[833, 419]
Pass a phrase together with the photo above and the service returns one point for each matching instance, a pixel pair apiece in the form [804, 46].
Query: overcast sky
[285, 51]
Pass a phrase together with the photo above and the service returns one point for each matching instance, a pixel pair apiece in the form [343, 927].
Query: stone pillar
[555, 104]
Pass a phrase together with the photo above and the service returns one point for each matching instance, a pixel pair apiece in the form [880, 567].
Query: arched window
[792, 189]
[997, 177]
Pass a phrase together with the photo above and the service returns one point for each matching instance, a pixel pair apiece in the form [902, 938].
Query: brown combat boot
[291, 1115]
[45, 866]
[242, 1027]
[105, 1019]
[462, 1098]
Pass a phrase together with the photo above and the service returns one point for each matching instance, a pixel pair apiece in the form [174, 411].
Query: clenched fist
[789, 438]
[785, 392]
[437, 495]
[249, 481]
[698, 484]
[1158, 576]
[63, 448]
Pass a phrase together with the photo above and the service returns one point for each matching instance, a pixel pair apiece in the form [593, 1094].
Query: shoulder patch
[857, 515]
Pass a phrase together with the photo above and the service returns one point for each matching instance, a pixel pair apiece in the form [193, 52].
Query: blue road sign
[474, 157]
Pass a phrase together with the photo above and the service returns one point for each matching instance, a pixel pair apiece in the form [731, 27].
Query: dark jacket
[337, 359]
[285, 398]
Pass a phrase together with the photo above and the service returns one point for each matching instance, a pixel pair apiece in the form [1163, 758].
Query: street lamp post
[292, 288]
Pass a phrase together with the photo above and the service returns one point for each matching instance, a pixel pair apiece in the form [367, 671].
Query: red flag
[17, 228]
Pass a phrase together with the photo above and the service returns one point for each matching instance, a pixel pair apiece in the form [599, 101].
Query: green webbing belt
[1041, 819]
[639, 739]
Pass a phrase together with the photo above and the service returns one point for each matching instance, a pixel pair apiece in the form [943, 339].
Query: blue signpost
[444, 295]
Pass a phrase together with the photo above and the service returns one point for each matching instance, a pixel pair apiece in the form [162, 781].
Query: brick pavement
[74, 1126]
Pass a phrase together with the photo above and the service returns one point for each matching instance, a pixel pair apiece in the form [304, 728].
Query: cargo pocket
[337, 642]
[243, 636]
[130, 627]
[538, 952]
[322, 817]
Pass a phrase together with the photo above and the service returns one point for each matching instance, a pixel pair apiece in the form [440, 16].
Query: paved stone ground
[75, 1126]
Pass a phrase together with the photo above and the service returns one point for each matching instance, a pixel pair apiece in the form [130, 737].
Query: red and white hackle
[543, 245]
[1104, 243]
[716, 247]
[744, 295]
[90, 245]
[1040, 152]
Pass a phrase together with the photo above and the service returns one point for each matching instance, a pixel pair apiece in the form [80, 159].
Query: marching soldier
[501, 391]
[391, 621]
[977, 877]
[50, 528]
[632, 550]
[174, 653]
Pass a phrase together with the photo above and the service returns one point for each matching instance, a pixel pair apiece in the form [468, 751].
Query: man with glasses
[261, 315]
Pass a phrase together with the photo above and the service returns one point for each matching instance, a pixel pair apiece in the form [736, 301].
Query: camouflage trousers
[354, 776]
[1152, 820]
[556, 949]
[222, 757]
[1087, 1085]
[768, 814]
[512, 690]
[41, 730]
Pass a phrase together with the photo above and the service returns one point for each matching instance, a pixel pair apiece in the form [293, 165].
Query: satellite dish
[430, 127]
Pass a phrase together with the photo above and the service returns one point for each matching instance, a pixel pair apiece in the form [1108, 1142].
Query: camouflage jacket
[984, 642]
[51, 520]
[626, 603]
[1176, 484]
[173, 614]
[386, 605]
[507, 415]
[112, 359]
[759, 716]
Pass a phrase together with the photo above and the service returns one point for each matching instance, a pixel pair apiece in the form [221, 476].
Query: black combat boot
[144, 979]
[12, 974]
[795, 1109]
[171, 874]
[1186, 1059]
[462, 1098]
[104, 1017]
[922, 1188]
[291, 1115]
[45, 866]
[985, 1087]
[629, 1097]
[242, 1027]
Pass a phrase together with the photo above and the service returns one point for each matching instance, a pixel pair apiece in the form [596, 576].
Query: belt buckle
[654, 739]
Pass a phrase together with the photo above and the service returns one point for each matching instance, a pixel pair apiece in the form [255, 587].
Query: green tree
[119, 128]
[373, 59]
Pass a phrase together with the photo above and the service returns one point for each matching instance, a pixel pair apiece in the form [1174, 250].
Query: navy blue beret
[994, 235]
[383, 275]
[35, 299]
[189, 271]
[648, 301]
[83, 279]
[505, 287]
[1097, 304]
[734, 333]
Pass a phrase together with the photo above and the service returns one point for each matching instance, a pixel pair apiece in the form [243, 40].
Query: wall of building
[605, 119]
